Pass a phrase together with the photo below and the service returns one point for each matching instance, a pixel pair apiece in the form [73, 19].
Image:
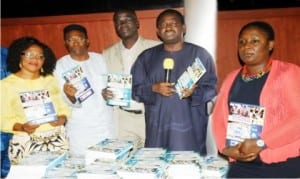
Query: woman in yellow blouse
[32, 108]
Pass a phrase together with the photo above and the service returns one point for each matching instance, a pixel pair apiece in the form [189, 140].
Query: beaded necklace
[246, 76]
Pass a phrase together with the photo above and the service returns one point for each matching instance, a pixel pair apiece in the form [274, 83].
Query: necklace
[246, 76]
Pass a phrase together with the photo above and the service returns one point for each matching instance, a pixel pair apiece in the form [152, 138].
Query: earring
[20, 65]
[42, 70]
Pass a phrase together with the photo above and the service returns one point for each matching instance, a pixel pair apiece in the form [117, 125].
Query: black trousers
[258, 169]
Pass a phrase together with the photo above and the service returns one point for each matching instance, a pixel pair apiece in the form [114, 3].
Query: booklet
[37, 164]
[215, 167]
[190, 76]
[121, 86]
[108, 149]
[245, 121]
[143, 168]
[76, 77]
[38, 106]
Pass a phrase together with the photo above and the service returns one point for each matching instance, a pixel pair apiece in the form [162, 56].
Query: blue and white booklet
[190, 76]
[109, 149]
[121, 86]
[38, 106]
[143, 168]
[36, 165]
[76, 77]
[214, 167]
[245, 121]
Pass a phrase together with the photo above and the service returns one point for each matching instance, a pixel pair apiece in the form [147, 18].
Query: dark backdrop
[33, 8]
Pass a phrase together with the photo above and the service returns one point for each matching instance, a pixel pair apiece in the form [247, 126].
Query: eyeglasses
[170, 24]
[31, 55]
[124, 21]
[73, 40]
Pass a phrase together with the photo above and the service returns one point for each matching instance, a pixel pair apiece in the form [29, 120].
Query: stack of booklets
[36, 165]
[183, 164]
[215, 167]
[109, 149]
[150, 153]
[100, 169]
[74, 167]
[145, 163]
[67, 169]
[61, 172]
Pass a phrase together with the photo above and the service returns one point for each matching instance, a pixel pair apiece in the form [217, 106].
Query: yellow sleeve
[11, 108]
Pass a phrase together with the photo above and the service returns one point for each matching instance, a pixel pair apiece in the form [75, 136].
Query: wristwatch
[260, 143]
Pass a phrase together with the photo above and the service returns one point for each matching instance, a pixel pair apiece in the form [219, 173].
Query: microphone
[168, 65]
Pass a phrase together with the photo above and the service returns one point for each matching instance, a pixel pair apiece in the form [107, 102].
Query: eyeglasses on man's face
[31, 55]
[168, 24]
[72, 40]
[127, 20]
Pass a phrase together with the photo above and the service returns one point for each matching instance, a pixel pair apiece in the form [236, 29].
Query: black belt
[132, 111]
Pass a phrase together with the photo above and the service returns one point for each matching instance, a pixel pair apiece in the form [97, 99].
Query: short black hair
[76, 27]
[19, 45]
[129, 11]
[263, 26]
[167, 12]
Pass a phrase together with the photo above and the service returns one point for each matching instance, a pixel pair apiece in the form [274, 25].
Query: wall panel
[287, 35]
[101, 32]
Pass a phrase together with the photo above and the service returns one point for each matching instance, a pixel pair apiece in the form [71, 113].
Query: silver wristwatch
[260, 143]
